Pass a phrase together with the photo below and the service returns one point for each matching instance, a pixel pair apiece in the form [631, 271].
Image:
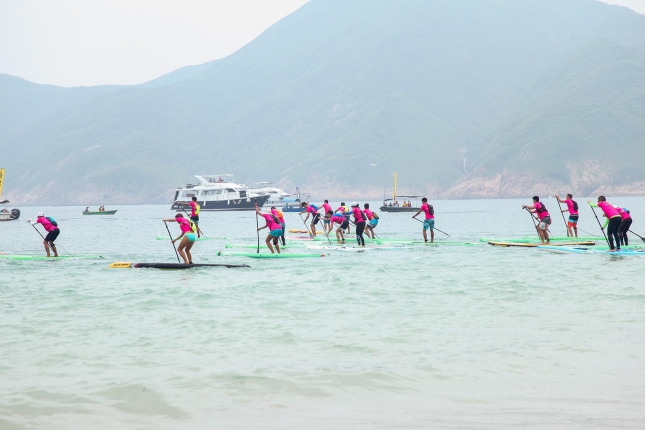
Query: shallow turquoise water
[442, 337]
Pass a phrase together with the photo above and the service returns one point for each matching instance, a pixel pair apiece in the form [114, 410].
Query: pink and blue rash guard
[312, 209]
[572, 210]
[426, 209]
[368, 214]
[326, 207]
[271, 223]
[358, 216]
[609, 210]
[48, 226]
[338, 219]
[184, 225]
[539, 211]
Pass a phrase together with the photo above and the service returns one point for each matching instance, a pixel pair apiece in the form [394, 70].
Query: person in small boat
[87, 209]
[428, 224]
[543, 217]
[51, 227]
[187, 237]
[275, 230]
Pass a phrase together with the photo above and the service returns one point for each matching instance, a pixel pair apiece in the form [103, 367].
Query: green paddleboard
[199, 238]
[44, 257]
[421, 242]
[256, 255]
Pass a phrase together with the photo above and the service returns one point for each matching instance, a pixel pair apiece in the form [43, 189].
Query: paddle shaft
[600, 225]
[257, 225]
[641, 237]
[173, 243]
[434, 228]
[306, 226]
[534, 223]
[563, 220]
[48, 244]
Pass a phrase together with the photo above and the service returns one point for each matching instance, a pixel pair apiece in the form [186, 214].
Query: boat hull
[101, 213]
[397, 209]
[241, 204]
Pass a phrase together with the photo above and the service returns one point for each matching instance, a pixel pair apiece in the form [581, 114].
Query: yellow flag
[1, 180]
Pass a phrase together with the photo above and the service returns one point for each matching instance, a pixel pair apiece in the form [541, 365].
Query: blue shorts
[276, 233]
[373, 223]
[428, 224]
[326, 221]
[190, 236]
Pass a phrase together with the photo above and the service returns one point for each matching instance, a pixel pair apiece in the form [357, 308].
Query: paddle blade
[120, 265]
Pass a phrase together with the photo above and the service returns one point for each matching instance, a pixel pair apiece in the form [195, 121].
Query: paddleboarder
[51, 227]
[195, 208]
[614, 219]
[625, 224]
[315, 216]
[280, 215]
[572, 208]
[343, 224]
[187, 237]
[372, 220]
[326, 207]
[359, 222]
[543, 217]
[343, 209]
[428, 223]
[275, 230]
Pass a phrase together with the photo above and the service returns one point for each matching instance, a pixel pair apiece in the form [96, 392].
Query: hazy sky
[92, 42]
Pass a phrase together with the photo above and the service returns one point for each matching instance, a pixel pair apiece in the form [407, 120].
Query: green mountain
[336, 86]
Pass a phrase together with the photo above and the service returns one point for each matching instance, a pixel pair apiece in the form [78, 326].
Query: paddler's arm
[170, 220]
[604, 226]
[593, 205]
[416, 214]
[559, 199]
[32, 222]
[178, 237]
[260, 228]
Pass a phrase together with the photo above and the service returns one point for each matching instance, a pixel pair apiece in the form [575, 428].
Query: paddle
[641, 237]
[173, 243]
[599, 224]
[562, 213]
[48, 244]
[201, 233]
[417, 219]
[306, 226]
[257, 225]
[326, 233]
[534, 223]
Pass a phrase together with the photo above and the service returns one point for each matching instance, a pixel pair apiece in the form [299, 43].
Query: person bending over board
[275, 230]
[428, 224]
[372, 219]
[51, 227]
[194, 212]
[343, 223]
[315, 216]
[343, 209]
[283, 225]
[187, 237]
[572, 208]
[614, 219]
[359, 222]
[326, 207]
[625, 225]
[544, 219]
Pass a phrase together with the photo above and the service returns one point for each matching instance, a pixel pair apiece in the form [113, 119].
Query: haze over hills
[530, 92]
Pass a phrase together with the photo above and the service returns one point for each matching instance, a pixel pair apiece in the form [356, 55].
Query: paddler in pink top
[187, 237]
[359, 222]
[343, 223]
[544, 219]
[275, 230]
[326, 207]
[572, 208]
[315, 217]
[625, 224]
[277, 212]
[428, 224]
[372, 221]
[51, 227]
[613, 224]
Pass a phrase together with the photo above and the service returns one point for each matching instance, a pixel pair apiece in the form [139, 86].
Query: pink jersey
[271, 223]
[609, 210]
[572, 209]
[623, 213]
[193, 208]
[312, 209]
[368, 214]
[358, 216]
[184, 225]
[278, 214]
[338, 219]
[48, 226]
[426, 209]
[326, 207]
[541, 211]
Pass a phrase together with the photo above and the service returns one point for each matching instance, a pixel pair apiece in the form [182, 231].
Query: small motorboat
[99, 212]
[8, 215]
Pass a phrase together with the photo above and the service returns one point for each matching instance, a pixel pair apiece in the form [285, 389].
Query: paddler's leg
[49, 241]
[268, 242]
[276, 243]
[181, 248]
[46, 247]
[360, 227]
[189, 246]
[284, 228]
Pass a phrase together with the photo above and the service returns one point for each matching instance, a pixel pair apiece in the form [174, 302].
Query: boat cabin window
[230, 190]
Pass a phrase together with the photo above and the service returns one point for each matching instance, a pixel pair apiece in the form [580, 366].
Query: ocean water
[449, 337]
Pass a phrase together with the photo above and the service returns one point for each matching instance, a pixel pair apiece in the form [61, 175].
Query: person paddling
[359, 222]
[544, 218]
[283, 225]
[572, 208]
[187, 237]
[428, 224]
[326, 207]
[625, 224]
[51, 227]
[372, 221]
[315, 216]
[343, 224]
[275, 230]
[613, 222]
[195, 208]
[343, 209]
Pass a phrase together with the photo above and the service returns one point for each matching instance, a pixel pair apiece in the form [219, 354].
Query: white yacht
[217, 193]
[276, 195]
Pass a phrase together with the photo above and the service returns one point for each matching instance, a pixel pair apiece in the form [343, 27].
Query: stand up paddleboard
[126, 265]
[44, 257]
[538, 244]
[582, 250]
[256, 255]
[199, 238]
